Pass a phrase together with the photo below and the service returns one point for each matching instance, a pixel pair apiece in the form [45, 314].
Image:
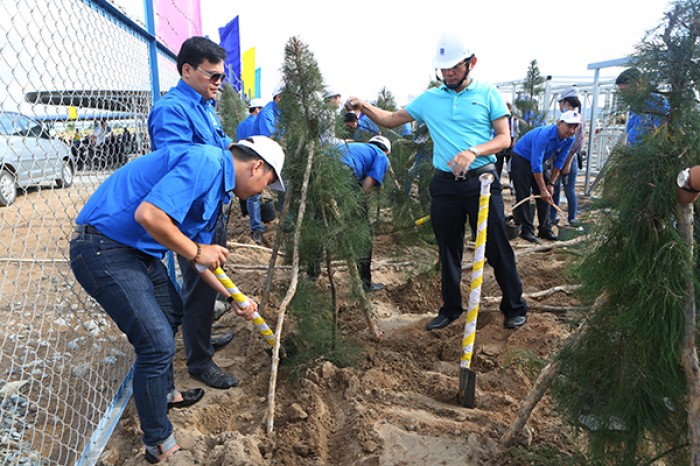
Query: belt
[489, 167]
[89, 229]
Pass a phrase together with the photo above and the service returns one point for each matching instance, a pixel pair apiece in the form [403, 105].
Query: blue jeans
[136, 292]
[253, 206]
[569, 183]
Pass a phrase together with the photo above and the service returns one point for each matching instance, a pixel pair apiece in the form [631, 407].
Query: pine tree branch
[544, 380]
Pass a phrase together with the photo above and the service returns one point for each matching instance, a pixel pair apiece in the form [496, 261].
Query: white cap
[330, 93]
[271, 152]
[255, 103]
[381, 142]
[568, 92]
[278, 90]
[571, 117]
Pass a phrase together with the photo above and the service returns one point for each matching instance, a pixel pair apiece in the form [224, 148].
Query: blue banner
[231, 42]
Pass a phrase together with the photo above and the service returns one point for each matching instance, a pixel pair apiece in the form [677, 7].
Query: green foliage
[315, 336]
[232, 110]
[624, 381]
[526, 104]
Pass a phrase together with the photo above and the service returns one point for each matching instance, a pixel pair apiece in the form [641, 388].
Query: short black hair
[197, 49]
[629, 76]
[350, 117]
[572, 101]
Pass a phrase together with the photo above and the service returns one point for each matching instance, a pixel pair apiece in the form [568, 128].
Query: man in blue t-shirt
[368, 162]
[169, 199]
[186, 115]
[246, 127]
[266, 124]
[468, 123]
[528, 175]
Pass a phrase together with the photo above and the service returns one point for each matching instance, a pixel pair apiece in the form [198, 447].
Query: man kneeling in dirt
[168, 199]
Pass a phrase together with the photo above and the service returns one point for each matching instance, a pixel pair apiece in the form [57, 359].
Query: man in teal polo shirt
[169, 199]
[468, 123]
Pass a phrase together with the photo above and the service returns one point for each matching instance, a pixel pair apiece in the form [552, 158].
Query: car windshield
[14, 124]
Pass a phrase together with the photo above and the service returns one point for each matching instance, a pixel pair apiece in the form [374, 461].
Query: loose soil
[398, 404]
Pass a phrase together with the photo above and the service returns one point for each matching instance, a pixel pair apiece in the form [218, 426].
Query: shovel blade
[467, 388]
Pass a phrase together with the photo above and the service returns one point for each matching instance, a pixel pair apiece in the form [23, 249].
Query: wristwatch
[474, 150]
[683, 181]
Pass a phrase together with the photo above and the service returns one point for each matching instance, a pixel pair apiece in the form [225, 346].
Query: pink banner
[176, 21]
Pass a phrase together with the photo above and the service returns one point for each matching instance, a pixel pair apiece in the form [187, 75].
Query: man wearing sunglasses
[186, 115]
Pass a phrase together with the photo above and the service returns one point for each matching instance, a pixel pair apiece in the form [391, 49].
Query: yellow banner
[72, 113]
[248, 72]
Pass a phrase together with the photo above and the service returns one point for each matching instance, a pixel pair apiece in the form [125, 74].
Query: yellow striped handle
[422, 220]
[242, 301]
[477, 271]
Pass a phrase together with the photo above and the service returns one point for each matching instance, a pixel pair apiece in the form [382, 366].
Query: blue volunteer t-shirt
[182, 116]
[458, 121]
[189, 183]
[542, 143]
[364, 159]
[246, 127]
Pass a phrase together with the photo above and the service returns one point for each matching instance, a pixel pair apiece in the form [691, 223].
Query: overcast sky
[362, 46]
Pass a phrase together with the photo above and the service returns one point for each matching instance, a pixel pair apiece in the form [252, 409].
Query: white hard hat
[571, 117]
[278, 90]
[271, 152]
[255, 103]
[381, 142]
[450, 51]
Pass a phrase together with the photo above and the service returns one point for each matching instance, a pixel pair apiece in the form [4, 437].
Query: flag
[231, 42]
[258, 73]
[177, 21]
[248, 72]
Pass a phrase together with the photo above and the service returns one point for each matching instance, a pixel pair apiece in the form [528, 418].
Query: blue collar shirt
[187, 182]
[542, 143]
[246, 127]
[364, 159]
[459, 120]
[182, 116]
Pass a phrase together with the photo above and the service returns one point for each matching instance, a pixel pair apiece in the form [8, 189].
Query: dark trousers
[524, 184]
[198, 300]
[453, 203]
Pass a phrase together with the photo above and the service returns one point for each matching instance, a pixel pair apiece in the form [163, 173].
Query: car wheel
[8, 189]
[66, 179]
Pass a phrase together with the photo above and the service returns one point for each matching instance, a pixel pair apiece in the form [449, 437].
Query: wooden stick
[290, 293]
[544, 380]
[689, 354]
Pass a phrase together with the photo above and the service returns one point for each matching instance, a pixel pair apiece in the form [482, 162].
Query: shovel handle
[242, 302]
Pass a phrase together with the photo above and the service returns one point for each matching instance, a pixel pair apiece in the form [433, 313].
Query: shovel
[467, 377]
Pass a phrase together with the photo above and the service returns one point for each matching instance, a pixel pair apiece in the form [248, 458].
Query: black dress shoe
[547, 234]
[440, 322]
[529, 237]
[216, 378]
[514, 322]
[189, 397]
[222, 340]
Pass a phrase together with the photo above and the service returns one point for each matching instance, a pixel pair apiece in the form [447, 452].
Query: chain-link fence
[75, 94]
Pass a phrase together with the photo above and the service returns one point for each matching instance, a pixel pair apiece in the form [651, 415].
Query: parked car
[30, 156]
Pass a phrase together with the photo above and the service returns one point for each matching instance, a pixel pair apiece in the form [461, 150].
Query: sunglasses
[213, 77]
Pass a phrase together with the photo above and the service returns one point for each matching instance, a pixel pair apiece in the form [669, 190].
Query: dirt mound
[398, 406]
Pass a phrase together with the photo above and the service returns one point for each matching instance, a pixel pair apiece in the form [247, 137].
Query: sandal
[156, 454]
[189, 397]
